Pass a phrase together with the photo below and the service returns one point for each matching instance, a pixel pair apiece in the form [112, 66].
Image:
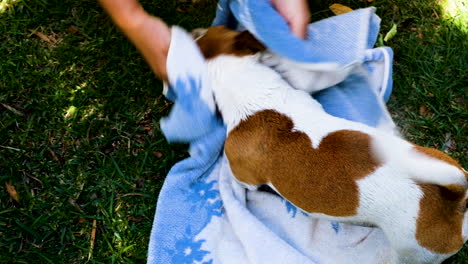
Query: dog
[330, 167]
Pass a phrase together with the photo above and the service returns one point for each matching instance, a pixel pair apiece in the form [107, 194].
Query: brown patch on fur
[220, 40]
[265, 149]
[442, 208]
[440, 222]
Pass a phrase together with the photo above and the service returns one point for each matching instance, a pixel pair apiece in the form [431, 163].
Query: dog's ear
[245, 41]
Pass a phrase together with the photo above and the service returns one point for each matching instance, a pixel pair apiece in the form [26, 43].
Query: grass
[79, 113]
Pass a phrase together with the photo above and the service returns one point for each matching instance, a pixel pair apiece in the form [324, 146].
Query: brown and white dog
[330, 167]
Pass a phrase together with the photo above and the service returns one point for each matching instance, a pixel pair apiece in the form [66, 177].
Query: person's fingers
[303, 20]
[296, 13]
[299, 29]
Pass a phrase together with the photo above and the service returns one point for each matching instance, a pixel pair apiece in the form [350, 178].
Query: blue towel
[201, 216]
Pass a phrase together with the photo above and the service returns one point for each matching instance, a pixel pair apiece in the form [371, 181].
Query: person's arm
[149, 34]
[152, 36]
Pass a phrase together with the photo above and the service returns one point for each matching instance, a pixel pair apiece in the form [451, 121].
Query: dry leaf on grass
[339, 9]
[12, 192]
[422, 110]
[135, 219]
[130, 194]
[93, 238]
[54, 155]
[425, 111]
[12, 109]
[73, 29]
[44, 37]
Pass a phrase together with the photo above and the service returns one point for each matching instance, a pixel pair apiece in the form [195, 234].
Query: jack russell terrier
[330, 167]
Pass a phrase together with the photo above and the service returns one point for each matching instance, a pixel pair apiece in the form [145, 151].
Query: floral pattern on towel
[204, 196]
[188, 250]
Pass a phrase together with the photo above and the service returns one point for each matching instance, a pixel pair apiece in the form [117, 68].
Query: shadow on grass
[79, 135]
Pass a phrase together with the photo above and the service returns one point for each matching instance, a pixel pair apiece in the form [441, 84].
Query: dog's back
[334, 168]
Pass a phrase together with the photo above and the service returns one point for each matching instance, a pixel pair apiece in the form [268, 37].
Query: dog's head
[220, 40]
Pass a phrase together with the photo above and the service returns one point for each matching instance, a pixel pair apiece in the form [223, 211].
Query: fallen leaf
[131, 194]
[391, 33]
[180, 10]
[44, 37]
[339, 9]
[73, 29]
[158, 154]
[140, 141]
[370, 1]
[12, 192]
[93, 238]
[135, 219]
[54, 156]
[12, 109]
[422, 110]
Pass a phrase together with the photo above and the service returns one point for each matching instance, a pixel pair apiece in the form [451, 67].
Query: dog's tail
[423, 165]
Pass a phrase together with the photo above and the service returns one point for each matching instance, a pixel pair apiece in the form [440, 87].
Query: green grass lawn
[79, 111]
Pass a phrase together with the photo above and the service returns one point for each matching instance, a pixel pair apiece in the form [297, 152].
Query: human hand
[296, 13]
